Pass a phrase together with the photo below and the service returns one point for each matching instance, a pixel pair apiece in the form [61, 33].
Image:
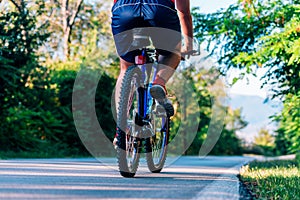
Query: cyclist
[171, 15]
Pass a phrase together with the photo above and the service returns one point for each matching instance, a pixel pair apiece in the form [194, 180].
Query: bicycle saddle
[140, 39]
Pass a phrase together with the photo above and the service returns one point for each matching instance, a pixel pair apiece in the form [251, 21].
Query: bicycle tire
[128, 144]
[158, 144]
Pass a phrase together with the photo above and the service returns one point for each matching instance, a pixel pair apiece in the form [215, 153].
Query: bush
[29, 130]
[298, 158]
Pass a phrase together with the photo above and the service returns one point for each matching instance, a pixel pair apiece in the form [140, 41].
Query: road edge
[230, 190]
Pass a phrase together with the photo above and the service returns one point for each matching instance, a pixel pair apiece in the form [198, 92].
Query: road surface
[187, 178]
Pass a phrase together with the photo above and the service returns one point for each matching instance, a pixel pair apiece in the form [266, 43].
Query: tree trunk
[68, 19]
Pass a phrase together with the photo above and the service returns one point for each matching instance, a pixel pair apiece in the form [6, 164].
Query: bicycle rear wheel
[157, 145]
[128, 151]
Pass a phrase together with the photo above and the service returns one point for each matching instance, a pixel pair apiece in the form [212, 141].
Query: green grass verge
[278, 179]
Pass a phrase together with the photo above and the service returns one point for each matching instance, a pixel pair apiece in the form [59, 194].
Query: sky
[208, 6]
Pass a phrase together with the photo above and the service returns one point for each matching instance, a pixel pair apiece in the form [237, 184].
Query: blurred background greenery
[43, 45]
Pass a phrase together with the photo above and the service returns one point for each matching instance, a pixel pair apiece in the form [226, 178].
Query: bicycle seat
[140, 39]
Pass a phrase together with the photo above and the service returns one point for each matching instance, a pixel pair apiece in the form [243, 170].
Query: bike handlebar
[190, 53]
[194, 52]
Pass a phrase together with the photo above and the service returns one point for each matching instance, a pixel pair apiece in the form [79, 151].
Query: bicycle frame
[145, 99]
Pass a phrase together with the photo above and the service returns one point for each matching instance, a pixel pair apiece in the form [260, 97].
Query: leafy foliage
[253, 34]
[209, 92]
[19, 39]
[23, 81]
[35, 130]
[36, 86]
[260, 34]
[36, 97]
[265, 141]
[288, 134]
[71, 24]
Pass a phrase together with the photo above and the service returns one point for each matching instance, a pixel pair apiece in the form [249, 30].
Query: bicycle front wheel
[128, 151]
[157, 145]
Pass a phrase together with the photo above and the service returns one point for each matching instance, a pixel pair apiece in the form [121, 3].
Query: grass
[279, 179]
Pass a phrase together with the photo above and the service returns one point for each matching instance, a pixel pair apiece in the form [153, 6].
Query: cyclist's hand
[187, 55]
[191, 47]
[187, 49]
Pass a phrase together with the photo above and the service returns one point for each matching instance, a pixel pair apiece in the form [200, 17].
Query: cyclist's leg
[166, 35]
[124, 20]
[123, 67]
[168, 64]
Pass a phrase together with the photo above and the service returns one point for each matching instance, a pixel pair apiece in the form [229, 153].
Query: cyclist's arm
[183, 8]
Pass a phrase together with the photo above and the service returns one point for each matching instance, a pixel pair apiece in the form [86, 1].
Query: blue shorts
[158, 19]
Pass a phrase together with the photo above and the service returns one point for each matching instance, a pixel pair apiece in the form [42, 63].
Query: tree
[20, 37]
[35, 93]
[25, 121]
[288, 134]
[265, 142]
[255, 34]
[229, 143]
[209, 91]
[71, 23]
[69, 15]
[264, 138]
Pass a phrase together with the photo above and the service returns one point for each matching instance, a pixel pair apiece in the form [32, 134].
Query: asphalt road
[186, 178]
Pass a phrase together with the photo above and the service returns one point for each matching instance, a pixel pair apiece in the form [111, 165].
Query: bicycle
[140, 119]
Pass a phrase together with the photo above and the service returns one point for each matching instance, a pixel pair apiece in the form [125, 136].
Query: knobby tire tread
[149, 158]
[121, 123]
